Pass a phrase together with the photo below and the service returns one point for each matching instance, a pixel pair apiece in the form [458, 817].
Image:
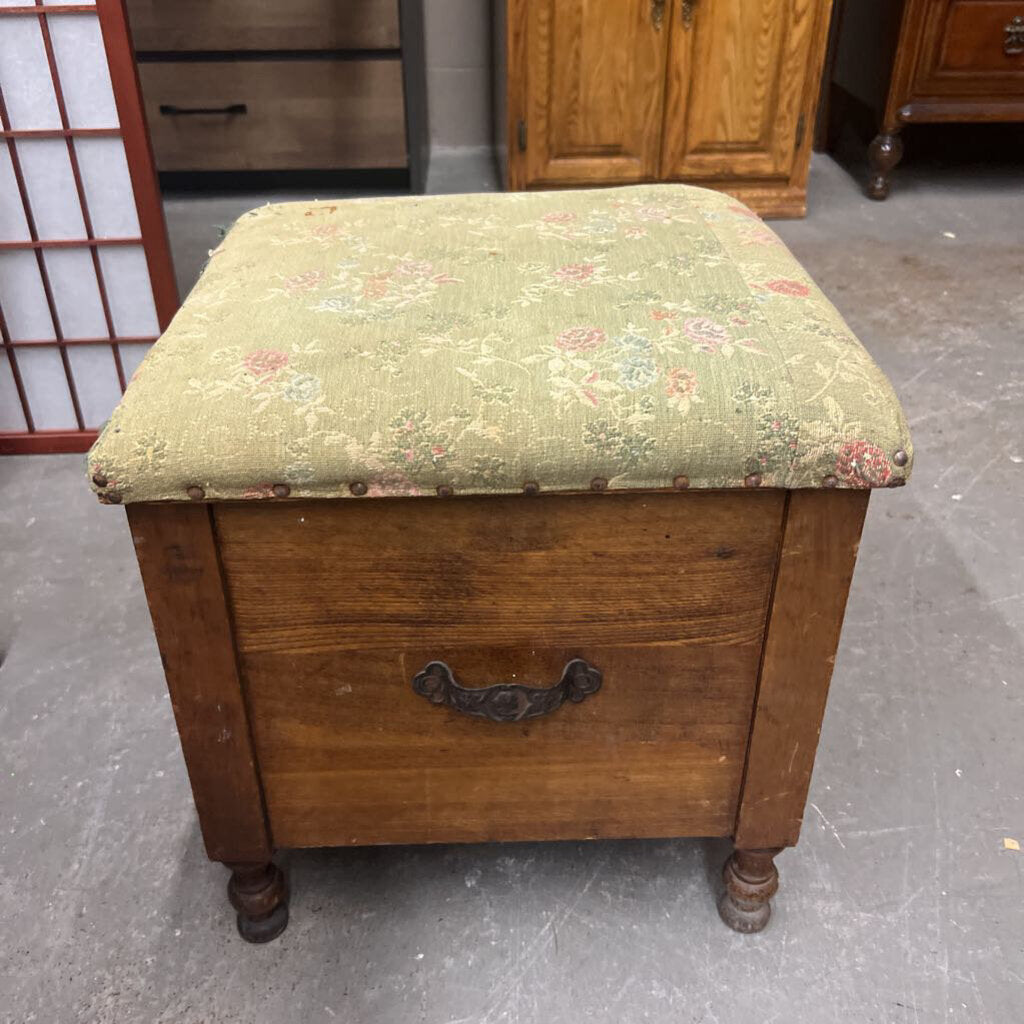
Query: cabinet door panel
[596, 75]
[736, 87]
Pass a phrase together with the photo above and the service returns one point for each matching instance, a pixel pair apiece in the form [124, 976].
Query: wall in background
[458, 57]
[457, 40]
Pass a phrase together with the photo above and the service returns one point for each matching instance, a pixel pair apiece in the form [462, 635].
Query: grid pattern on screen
[86, 282]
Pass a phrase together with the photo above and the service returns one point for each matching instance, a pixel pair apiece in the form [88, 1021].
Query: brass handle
[1013, 36]
[507, 702]
[686, 11]
[657, 13]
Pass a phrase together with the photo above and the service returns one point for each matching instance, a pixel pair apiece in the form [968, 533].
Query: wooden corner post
[820, 535]
[180, 568]
[177, 553]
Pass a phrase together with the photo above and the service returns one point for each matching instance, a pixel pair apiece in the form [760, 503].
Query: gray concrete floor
[901, 903]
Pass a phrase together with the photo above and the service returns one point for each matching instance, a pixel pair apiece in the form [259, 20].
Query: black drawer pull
[507, 702]
[169, 110]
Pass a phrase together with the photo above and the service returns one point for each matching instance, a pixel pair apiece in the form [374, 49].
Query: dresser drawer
[338, 605]
[164, 25]
[275, 115]
[982, 36]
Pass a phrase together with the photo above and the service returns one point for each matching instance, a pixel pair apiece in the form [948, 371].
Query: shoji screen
[85, 275]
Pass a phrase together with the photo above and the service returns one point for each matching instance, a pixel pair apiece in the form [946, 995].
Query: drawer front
[337, 605]
[973, 48]
[275, 115]
[982, 35]
[348, 753]
[264, 24]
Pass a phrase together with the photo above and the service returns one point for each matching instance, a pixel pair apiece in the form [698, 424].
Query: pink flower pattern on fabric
[784, 286]
[580, 339]
[861, 464]
[577, 272]
[265, 362]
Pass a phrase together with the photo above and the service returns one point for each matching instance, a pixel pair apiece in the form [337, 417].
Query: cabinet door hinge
[801, 121]
[521, 135]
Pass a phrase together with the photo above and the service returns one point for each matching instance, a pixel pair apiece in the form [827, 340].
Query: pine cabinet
[719, 93]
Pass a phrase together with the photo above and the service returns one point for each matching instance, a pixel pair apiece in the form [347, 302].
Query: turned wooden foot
[884, 154]
[750, 882]
[259, 893]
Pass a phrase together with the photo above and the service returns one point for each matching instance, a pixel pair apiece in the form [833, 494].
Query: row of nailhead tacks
[599, 483]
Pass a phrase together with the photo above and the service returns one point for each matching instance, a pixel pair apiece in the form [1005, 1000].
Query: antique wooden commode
[500, 517]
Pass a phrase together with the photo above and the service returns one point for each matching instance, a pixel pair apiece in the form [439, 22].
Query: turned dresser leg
[260, 895]
[884, 154]
[750, 882]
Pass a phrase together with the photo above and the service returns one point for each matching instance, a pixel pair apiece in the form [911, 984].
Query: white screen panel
[25, 75]
[84, 76]
[11, 416]
[131, 356]
[22, 297]
[108, 188]
[52, 196]
[129, 291]
[42, 374]
[13, 226]
[76, 293]
[96, 380]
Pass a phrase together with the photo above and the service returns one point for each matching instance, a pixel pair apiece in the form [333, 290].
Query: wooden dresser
[272, 85]
[720, 93]
[930, 61]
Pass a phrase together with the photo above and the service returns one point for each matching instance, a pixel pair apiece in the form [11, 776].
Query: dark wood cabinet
[931, 61]
[276, 85]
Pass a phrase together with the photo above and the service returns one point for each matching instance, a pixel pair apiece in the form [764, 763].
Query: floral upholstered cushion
[482, 343]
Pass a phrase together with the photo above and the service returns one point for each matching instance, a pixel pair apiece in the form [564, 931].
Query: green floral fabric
[483, 342]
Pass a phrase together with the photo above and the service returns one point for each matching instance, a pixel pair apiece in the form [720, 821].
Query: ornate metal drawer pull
[507, 702]
[657, 13]
[1013, 36]
[686, 10]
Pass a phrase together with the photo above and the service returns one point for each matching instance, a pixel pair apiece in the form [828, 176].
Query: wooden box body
[291, 630]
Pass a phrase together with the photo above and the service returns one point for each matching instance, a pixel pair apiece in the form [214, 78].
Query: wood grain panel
[924, 88]
[338, 604]
[687, 568]
[180, 570]
[264, 24]
[299, 114]
[972, 43]
[737, 88]
[350, 754]
[594, 90]
[819, 550]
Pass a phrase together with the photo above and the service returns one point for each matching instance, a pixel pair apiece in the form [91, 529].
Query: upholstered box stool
[500, 517]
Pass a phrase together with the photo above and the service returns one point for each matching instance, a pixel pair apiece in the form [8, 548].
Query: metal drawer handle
[169, 110]
[1013, 36]
[657, 13]
[507, 702]
[686, 10]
